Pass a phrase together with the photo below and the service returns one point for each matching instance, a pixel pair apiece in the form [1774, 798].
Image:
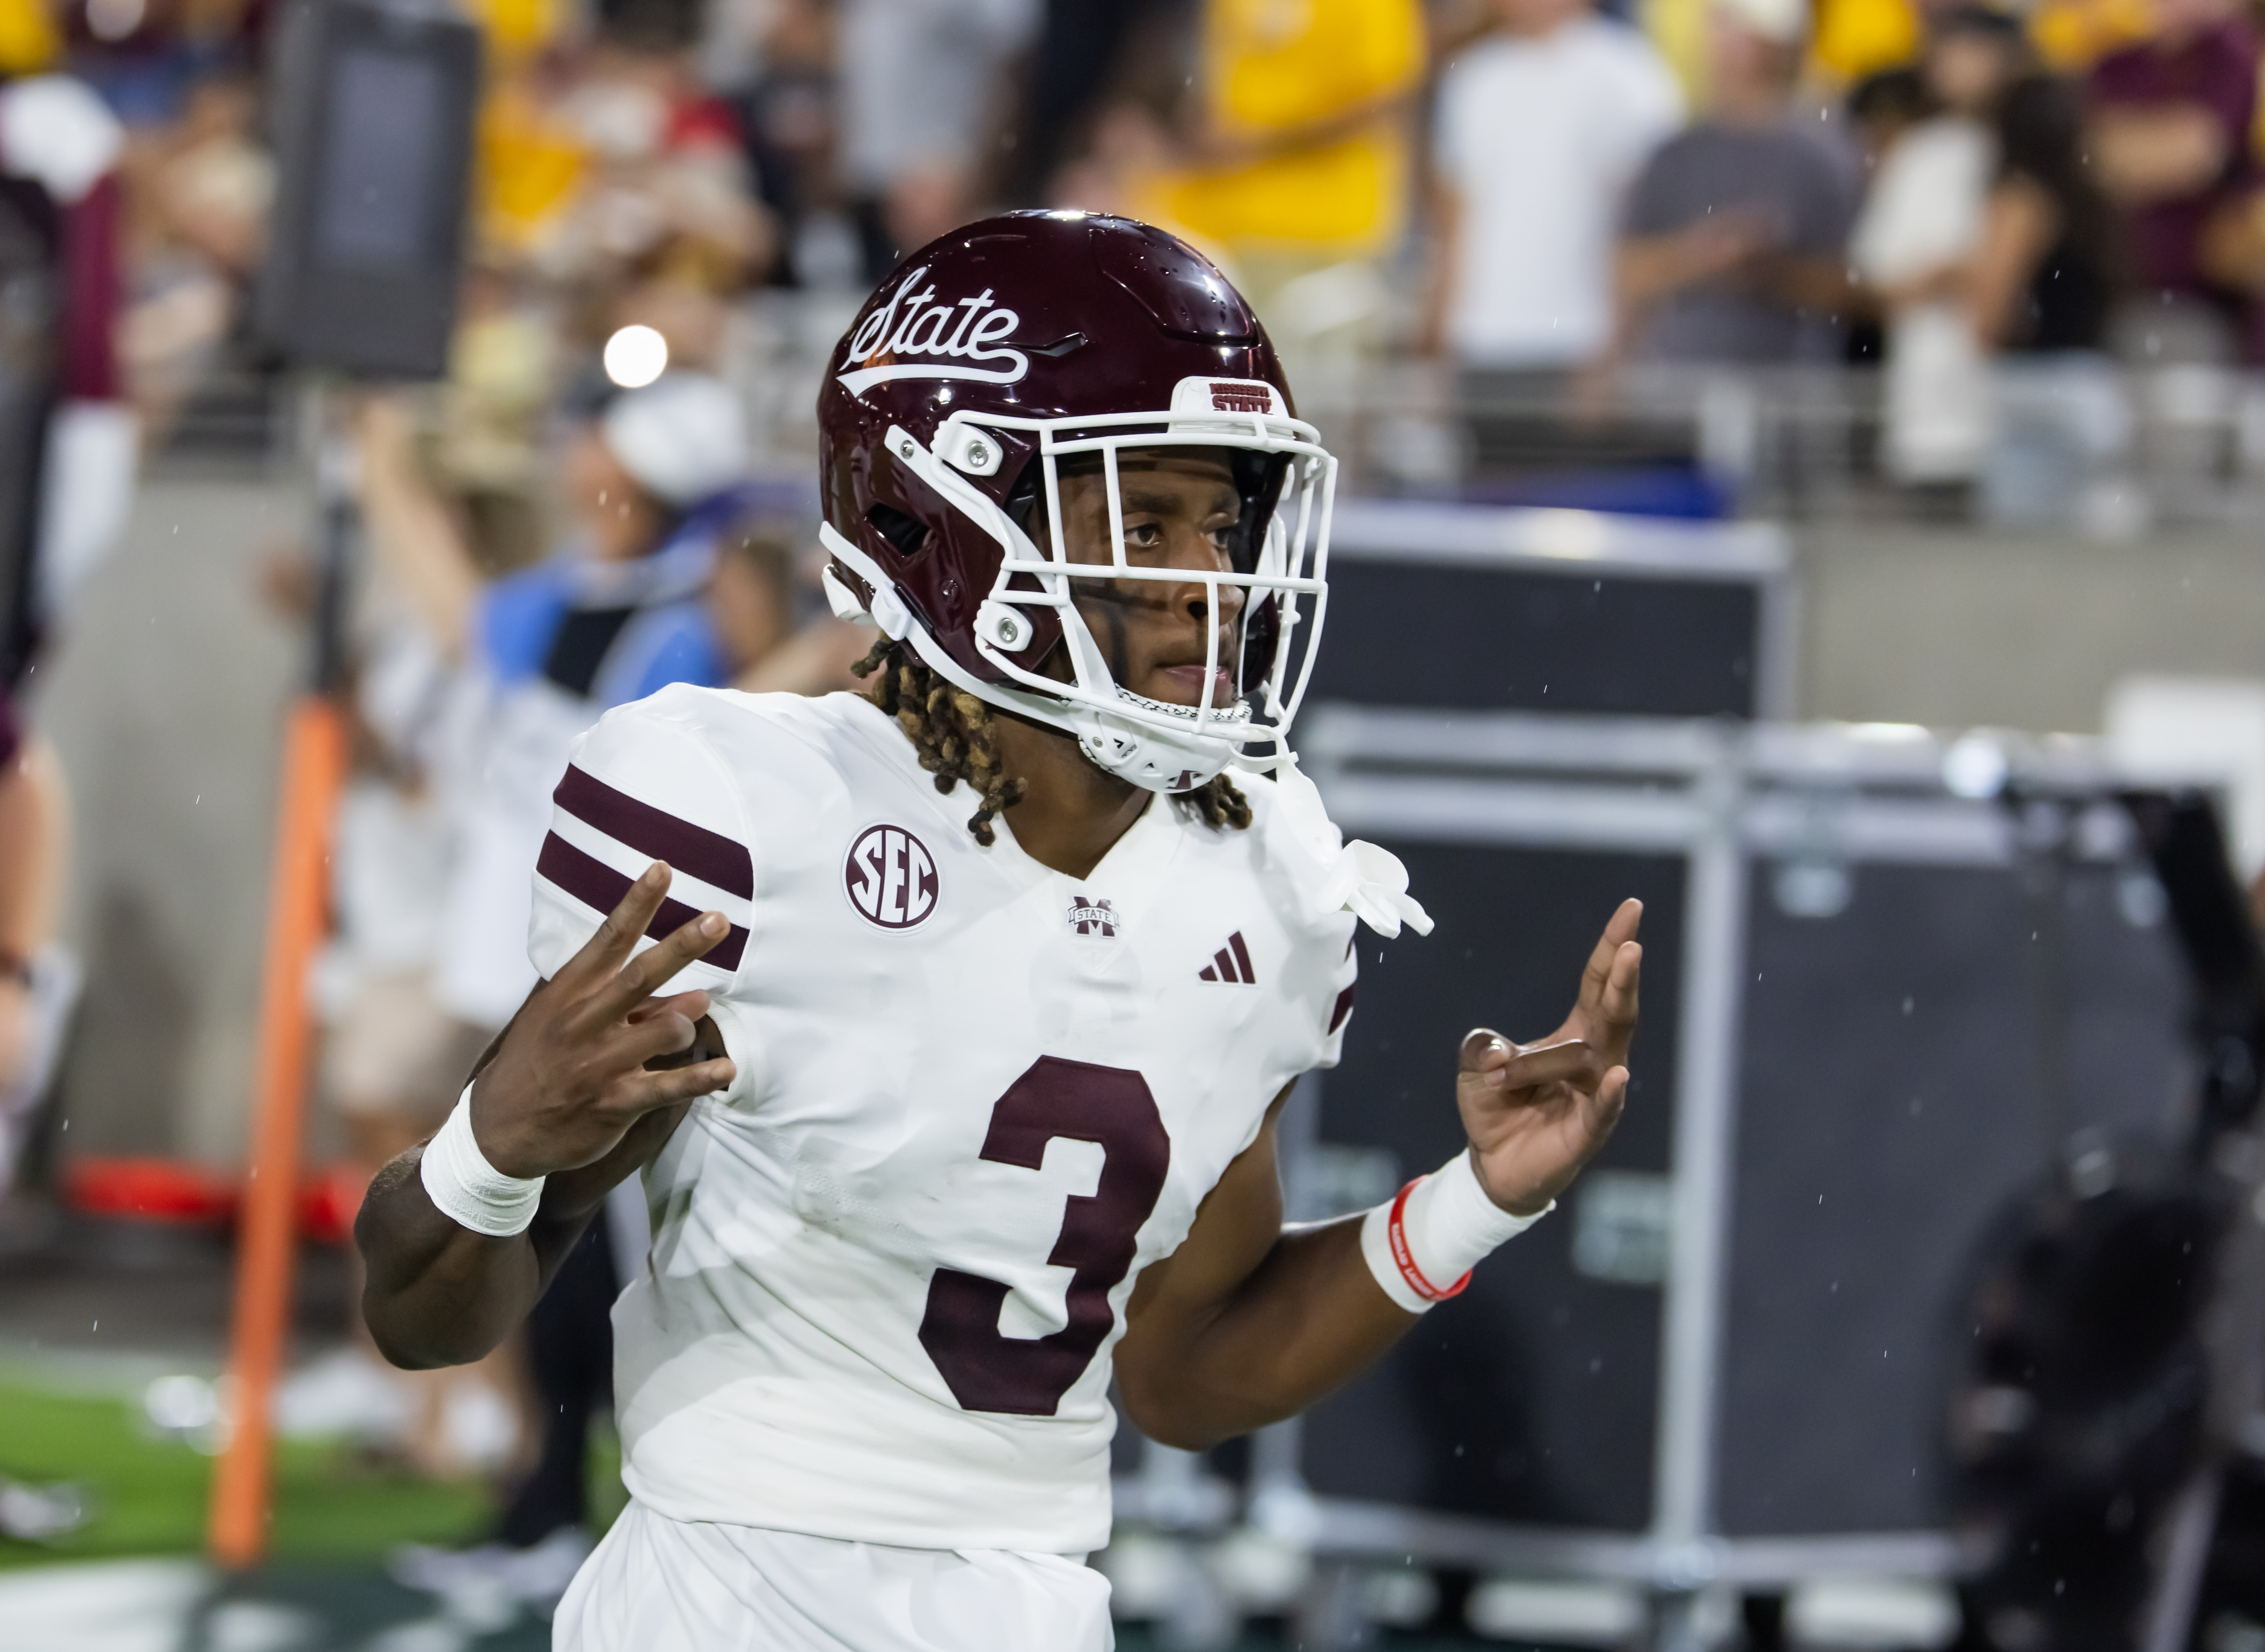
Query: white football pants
[660, 1585]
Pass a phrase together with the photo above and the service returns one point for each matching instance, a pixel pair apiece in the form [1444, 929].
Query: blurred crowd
[1557, 200]
[1991, 202]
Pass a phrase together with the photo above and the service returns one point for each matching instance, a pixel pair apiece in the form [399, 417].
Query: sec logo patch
[891, 878]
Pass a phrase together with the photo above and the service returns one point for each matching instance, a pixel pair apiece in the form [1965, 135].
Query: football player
[948, 1026]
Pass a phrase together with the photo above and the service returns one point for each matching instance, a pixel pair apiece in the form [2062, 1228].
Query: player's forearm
[1308, 1320]
[437, 1293]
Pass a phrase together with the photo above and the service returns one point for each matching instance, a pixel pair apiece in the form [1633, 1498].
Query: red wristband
[1405, 1260]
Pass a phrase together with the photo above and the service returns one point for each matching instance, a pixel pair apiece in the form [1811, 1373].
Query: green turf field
[336, 1520]
[148, 1494]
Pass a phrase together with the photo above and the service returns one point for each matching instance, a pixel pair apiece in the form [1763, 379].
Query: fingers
[646, 972]
[1618, 1003]
[1573, 1063]
[691, 1005]
[646, 1090]
[1485, 1050]
[1499, 1064]
[661, 1033]
[1597, 974]
[1602, 1114]
[605, 951]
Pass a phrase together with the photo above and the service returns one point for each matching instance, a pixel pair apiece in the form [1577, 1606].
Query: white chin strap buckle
[842, 599]
[1113, 752]
[1150, 763]
[888, 610]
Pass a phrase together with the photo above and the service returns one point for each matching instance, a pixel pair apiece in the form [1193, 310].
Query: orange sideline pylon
[313, 770]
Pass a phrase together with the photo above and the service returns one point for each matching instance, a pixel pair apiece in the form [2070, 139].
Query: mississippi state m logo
[891, 878]
[969, 334]
[1091, 917]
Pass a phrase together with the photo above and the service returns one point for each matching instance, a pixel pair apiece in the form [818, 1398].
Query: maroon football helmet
[986, 360]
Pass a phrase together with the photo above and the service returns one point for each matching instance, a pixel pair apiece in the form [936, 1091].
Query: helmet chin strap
[1150, 759]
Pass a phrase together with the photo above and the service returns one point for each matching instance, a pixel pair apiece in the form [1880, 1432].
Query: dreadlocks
[957, 740]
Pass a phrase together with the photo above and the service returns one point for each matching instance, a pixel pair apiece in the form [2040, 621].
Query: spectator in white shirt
[921, 82]
[1542, 125]
[1921, 227]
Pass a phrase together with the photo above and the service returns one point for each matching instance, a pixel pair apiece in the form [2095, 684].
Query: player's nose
[1198, 601]
[1197, 597]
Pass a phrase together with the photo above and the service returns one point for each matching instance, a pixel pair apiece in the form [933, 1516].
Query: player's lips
[1190, 680]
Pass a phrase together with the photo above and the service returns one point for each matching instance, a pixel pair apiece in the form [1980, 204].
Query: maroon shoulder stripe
[710, 856]
[596, 885]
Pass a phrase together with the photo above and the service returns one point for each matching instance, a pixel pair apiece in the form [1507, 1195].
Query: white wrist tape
[467, 1189]
[1423, 1244]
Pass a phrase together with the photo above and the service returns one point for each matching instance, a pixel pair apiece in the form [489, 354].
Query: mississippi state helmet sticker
[891, 878]
[968, 332]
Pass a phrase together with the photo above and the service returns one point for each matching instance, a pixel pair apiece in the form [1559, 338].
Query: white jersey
[975, 1097]
[660, 1585]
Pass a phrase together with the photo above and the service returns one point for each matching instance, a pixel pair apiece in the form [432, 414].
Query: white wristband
[1423, 1244]
[467, 1189]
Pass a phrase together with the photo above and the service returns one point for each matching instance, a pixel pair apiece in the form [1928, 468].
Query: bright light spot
[1976, 767]
[635, 357]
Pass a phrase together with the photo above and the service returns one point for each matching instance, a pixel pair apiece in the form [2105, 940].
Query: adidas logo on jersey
[891, 878]
[972, 331]
[1091, 917]
[1231, 963]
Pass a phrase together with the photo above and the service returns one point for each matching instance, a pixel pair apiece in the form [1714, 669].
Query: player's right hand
[570, 1077]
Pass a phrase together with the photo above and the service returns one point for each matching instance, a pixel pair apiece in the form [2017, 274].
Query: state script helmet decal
[913, 323]
[891, 878]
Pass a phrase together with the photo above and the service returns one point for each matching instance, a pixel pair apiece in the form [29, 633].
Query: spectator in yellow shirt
[1299, 159]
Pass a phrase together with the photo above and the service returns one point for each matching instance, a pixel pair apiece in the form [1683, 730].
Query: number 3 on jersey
[1077, 1101]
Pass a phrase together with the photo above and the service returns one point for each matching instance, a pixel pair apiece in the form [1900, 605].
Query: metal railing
[2083, 444]
[2091, 445]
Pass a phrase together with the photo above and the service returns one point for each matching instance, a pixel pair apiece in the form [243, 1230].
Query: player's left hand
[1538, 1112]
